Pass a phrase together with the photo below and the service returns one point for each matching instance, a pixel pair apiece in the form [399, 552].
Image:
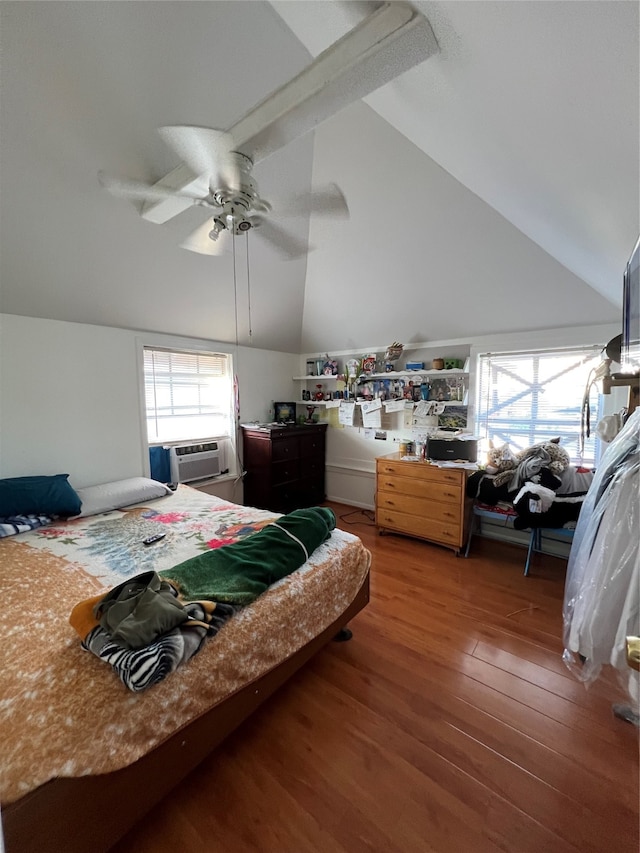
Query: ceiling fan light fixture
[218, 227]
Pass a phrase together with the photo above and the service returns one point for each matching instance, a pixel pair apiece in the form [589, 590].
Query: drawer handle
[449, 515]
[448, 494]
[450, 478]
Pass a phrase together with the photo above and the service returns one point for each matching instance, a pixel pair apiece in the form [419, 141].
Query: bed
[83, 756]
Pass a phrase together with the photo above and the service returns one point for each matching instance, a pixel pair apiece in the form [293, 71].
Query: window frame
[588, 454]
[199, 347]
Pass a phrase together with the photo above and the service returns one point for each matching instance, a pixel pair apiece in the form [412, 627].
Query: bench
[507, 519]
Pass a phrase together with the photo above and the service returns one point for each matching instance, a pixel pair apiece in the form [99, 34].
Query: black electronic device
[285, 413]
[151, 539]
[450, 449]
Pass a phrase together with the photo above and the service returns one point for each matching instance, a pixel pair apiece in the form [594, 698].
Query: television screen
[630, 355]
[285, 413]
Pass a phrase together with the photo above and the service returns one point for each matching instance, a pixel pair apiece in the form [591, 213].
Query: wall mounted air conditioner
[190, 462]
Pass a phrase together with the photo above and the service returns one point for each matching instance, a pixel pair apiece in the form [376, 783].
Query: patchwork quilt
[62, 710]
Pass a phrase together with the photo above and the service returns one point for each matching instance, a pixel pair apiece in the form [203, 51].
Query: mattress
[63, 712]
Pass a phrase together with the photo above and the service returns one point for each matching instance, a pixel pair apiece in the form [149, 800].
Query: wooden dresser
[284, 466]
[422, 500]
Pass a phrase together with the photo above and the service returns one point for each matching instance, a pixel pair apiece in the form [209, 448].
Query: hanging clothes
[602, 592]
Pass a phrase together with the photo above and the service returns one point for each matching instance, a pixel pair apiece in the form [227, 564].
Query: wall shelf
[316, 378]
[391, 374]
[394, 374]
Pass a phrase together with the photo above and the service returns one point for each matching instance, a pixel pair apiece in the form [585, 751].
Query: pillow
[108, 496]
[38, 496]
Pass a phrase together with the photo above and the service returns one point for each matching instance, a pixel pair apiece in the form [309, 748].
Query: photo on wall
[453, 417]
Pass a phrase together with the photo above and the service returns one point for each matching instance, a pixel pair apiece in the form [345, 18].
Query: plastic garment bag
[602, 591]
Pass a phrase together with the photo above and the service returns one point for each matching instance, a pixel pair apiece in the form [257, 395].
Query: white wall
[422, 258]
[70, 401]
[351, 457]
[70, 396]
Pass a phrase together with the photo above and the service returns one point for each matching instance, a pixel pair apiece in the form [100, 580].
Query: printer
[452, 449]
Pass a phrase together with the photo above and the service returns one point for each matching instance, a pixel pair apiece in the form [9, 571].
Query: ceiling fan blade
[381, 47]
[138, 190]
[287, 245]
[326, 202]
[206, 152]
[200, 242]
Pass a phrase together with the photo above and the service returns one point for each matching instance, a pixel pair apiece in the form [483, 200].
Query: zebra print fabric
[139, 669]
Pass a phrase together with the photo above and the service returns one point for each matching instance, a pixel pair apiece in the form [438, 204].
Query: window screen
[526, 398]
[188, 395]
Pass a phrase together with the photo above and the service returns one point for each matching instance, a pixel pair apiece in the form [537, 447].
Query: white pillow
[109, 496]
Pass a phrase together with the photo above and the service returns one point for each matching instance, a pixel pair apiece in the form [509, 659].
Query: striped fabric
[10, 525]
[142, 668]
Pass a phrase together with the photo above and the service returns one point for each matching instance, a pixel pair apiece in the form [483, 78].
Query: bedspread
[62, 711]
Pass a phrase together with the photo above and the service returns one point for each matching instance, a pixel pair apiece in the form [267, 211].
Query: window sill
[211, 481]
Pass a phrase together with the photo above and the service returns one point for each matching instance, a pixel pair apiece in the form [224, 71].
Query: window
[188, 395]
[526, 398]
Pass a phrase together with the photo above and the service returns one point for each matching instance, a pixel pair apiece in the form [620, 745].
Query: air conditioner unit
[190, 462]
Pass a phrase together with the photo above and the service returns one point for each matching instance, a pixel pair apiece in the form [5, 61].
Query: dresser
[284, 465]
[422, 500]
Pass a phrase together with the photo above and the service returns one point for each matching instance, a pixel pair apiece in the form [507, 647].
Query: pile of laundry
[540, 484]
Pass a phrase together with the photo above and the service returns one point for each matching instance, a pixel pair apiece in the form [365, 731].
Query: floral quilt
[62, 711]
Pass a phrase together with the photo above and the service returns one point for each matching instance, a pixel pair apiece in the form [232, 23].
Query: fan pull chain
[235, 283]
[249, 287]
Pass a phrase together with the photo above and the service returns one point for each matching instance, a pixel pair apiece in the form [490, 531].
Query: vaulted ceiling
[492, 188]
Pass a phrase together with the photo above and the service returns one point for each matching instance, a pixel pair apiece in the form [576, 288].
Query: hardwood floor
[448, 723]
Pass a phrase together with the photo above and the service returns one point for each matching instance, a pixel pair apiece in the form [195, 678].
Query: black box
[450, 449]
[285, 413]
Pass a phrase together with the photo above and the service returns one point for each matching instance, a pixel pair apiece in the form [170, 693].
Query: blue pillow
[38, 496]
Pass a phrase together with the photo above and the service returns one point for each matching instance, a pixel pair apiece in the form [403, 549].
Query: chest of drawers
[422, 500]
[284, 466]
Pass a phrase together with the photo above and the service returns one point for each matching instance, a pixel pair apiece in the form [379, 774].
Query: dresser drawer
[313, 466]
[420, 471]
[430, 510]
[418, 488]
[312, 445]
[435, 531]
[285, 448]
[285, 472]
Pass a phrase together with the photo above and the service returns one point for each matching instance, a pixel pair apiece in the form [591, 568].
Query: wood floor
[448, 723]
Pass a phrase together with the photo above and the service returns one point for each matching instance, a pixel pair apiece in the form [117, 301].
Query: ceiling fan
[215, 172]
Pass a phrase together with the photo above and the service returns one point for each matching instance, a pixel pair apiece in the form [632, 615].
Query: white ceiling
[533, 106]
[521, 134]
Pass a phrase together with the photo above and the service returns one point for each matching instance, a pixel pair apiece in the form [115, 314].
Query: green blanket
[239, 573]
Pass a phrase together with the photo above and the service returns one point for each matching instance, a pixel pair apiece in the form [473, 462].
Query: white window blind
[526, 398]
[188, 395]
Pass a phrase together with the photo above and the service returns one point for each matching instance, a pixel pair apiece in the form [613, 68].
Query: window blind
[188, 395]
[526, 398]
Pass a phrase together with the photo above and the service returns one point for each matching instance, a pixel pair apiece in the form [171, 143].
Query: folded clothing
[141, 668]
[13, 524]
[140, 609]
